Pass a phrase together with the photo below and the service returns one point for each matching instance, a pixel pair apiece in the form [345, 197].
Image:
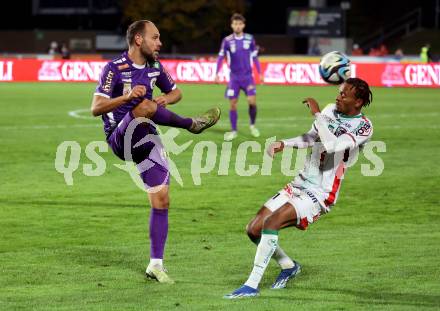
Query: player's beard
[150, 56]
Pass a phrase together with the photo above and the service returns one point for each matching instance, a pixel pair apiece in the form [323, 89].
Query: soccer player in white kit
[335, 137]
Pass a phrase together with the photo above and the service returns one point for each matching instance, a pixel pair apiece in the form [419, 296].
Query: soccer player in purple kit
[240, 51]
[124, 93]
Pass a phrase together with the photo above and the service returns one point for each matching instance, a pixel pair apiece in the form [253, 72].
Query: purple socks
[165, 117]
[252, 113]
[233, 118]
[158, 232]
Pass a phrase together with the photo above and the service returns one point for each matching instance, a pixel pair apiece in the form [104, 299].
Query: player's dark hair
[137, 27]
[362, 90]
[238, 17]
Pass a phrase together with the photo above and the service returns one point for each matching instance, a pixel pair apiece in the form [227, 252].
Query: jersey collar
[129, 61]
[340, 114]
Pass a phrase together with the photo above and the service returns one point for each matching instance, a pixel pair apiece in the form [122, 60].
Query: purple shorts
[247, 84]
[149, 156]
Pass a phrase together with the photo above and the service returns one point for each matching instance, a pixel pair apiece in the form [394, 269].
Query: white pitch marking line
[76, 114]
[266, 122]
[224, 124]
[46, 127]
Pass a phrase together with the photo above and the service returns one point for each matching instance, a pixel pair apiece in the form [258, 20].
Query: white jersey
[323, 172]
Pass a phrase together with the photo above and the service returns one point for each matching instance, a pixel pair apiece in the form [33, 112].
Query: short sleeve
[222, 51]
[254, 49]
[107, 81]
[164, 81]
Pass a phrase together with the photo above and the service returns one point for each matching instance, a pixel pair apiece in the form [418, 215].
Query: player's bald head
[137, 28]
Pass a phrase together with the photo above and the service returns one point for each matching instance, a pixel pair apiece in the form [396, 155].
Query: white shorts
[304, 202]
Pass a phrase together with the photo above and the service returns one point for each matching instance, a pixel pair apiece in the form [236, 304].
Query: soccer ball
[334, 67]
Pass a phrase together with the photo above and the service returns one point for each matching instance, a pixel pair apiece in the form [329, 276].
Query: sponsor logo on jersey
[364, 129]
[122, 67]
[246, 44]
[340, 130]
[127, 88]
[126, 74]
[119, 61]
[126, 80]
[233, 49]
[108, 81]
[153, 74]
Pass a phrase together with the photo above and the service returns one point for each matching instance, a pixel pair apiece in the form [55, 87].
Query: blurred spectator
[357, 51]
[314, 49]
[425, 54]
[53, 48]
[398, 54]
[65, 53]
[383, 50]
[373, 52]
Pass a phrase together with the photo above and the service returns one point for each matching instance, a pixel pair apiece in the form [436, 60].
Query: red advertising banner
[281, 73]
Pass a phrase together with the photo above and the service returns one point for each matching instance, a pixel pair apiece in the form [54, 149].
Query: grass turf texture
[86, 246]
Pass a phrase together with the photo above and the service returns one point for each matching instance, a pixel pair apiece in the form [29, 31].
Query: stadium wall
[199, 71]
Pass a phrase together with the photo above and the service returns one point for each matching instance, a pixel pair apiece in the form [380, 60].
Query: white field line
[266, 122]
[77, 114]
[48, 127]
[243, 125]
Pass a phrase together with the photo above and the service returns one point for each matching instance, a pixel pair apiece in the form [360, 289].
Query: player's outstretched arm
[101, 104]
[304, 141]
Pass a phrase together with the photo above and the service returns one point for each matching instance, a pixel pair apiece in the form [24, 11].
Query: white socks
[156, 262]
[282, 259]
[265, 250]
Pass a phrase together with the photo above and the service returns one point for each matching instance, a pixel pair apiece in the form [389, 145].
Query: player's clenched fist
[161, 100]
[136, 92]
[274, 148]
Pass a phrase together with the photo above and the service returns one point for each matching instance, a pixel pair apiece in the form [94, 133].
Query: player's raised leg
[233, 116]
[162, 116]
[283, 217]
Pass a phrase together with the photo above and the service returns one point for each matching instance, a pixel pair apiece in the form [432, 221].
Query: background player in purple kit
[240, 51]
[124, 93]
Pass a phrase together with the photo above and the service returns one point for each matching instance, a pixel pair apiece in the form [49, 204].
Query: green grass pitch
[85, 247]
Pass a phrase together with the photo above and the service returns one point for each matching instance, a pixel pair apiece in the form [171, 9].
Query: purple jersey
[240, 52]
[120, 75]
